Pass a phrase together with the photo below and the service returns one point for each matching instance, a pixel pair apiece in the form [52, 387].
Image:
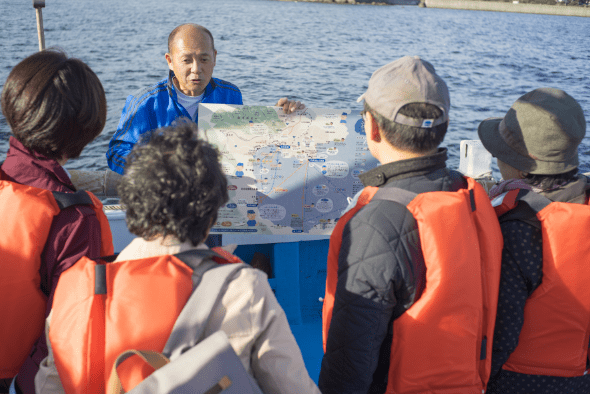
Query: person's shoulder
[151, 91]
[448, 180]
[246, 287]
[249, 278]
[220, 83]
[388, 218]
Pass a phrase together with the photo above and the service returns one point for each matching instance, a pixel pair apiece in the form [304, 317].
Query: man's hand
[290, 106]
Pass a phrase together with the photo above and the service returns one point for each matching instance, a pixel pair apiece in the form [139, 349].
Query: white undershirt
[190, 103]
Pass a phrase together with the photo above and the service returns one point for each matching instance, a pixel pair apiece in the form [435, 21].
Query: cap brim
[361, 97]
[491, 139]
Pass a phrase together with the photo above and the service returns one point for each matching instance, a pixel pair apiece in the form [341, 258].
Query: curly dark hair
[173, 185]
[54, 105]
[410, 138]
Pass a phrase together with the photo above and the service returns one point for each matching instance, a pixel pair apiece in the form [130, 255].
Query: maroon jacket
[75, 232]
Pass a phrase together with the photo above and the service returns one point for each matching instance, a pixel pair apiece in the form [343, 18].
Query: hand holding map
[290, 106]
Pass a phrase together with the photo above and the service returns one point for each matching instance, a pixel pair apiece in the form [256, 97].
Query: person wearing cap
[382, 322]
[542, 325]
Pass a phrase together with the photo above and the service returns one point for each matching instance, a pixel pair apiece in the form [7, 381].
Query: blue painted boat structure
[298, 279]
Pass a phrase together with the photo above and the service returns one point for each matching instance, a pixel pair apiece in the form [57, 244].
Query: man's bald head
[188, 28]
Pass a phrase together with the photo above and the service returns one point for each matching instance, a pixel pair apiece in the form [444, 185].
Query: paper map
[286, 173]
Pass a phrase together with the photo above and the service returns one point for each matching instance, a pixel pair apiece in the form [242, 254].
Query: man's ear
[169, 61]
[375, 134]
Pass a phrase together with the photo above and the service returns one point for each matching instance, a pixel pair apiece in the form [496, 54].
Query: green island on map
[246, 115]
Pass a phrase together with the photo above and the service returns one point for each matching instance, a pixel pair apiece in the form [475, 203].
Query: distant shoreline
[475, 5]
[525, 8]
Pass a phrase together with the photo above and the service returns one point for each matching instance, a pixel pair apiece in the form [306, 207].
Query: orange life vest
[27, 213]
[556, 330]
[101, 309]
[443, 342]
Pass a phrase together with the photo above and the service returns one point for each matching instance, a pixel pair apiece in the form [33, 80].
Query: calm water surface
[322, 54]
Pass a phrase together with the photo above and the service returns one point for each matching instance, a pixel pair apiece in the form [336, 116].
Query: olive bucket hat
[540, 133]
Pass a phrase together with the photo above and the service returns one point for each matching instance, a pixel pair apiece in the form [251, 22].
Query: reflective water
[322, 54]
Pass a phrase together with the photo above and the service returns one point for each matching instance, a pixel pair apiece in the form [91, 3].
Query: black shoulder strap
[193, 257]
[200, 260]
[65, 200]
[526, 212]
[401, 196]
[534, 200]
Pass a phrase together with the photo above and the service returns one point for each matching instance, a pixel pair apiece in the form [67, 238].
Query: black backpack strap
[526, 212]
[65, 200]
[200, 260]
[395, 194]
[110, 259]
[193, 257]
[534, 200]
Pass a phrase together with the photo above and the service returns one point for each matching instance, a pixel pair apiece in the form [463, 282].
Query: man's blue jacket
[157, 106]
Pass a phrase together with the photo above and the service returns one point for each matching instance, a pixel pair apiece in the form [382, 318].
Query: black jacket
[381, 273]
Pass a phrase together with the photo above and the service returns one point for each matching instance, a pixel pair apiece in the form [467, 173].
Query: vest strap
[100, 279]
[65, 200]
[534, 200]
[484, 347]
[193, 257]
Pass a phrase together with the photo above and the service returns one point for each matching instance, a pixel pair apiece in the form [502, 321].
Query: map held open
[286, 173]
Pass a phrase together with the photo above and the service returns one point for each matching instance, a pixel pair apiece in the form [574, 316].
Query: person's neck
[391, 154]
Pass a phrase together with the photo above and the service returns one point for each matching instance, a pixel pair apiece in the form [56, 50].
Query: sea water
[321, 54]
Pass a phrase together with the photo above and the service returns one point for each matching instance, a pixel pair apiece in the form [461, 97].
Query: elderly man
[411, 289]
[191, 58]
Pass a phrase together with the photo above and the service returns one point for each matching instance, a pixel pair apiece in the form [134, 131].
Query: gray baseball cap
[540, 133]
[406, 81]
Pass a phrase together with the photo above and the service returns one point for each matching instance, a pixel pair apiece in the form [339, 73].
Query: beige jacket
[251, 317]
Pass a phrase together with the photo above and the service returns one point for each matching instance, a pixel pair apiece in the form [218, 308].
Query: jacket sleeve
[522, 273]
[135, 121]
[47, 379]
[75, 233]
[375, 279]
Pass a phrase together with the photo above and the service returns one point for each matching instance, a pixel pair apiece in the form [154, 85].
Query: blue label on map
[285, 147]
[251, 205]
[232, 230]
[317, 160]
[232, 205]
[297, 231]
